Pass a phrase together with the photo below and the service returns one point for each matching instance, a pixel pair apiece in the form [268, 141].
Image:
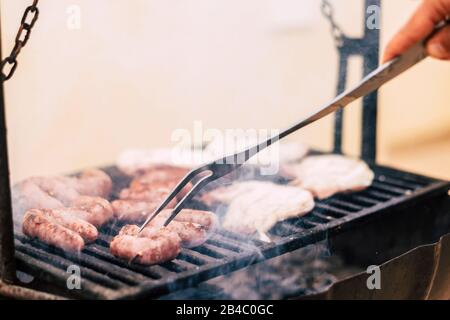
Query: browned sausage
[162, 176]
[37, 225]
[27, 195]
[206, 219]
[161, 247]
[191, 235]
[64, 218]
[155, 194]
[133, 211]
[94, 210]
[95, 183]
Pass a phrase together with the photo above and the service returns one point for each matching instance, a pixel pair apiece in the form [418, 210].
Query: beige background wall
[137, 70]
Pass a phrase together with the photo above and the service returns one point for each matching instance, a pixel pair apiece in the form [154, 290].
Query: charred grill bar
[399, 212]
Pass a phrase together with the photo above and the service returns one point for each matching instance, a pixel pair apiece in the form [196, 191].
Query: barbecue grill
[398, 213]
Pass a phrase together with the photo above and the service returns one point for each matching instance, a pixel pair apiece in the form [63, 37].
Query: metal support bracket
[367, 47]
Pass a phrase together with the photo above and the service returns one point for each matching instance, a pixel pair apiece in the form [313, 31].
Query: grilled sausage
[191, 235]
[94, 210]
[133, 211]
[37, 225]
[27, 195]
[206, 219]
[155, 194]
[59, 191]
[162, 176]
[64, 218]
[95, 183]
[161, 247]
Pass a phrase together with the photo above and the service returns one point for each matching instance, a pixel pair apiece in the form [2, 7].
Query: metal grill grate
[106, 277]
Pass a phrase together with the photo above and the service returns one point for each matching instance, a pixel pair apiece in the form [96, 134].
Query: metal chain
[336, 31]
[29, 18]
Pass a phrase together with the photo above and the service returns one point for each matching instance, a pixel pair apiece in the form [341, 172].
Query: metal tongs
[207, 173]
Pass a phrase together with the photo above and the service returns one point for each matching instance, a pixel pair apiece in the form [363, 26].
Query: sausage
[132, 211]
[191, 235]
[160, 173]
[95, 183]
[56, 187]
[162, 176]
[27, 195]
[206, 219]
[155, 194]
[59, 191]
[161, 247]
[37, 225]
[87, 231]
[94, 210]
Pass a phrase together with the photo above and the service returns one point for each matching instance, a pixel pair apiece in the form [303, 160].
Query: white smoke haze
[306, 271]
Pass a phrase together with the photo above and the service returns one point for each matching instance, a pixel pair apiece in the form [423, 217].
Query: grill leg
[7, 261]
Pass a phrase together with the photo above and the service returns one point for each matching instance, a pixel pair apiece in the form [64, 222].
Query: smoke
[306, 271]
[302, 272]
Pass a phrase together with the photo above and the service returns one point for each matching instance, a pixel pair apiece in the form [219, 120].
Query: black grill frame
[106, 277]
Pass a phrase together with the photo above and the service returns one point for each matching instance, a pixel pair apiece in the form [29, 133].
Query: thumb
[439, 46]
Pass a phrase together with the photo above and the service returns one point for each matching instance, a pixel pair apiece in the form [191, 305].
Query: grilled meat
[59, 191]
[327, 175]
[133, 211]
[94, 210]
[191, 235]
[162, 246]
[205, 219]
[256, 206]
[66, 219]
[37, 225]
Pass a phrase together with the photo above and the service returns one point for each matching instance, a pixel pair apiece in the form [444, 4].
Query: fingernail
[437, 50]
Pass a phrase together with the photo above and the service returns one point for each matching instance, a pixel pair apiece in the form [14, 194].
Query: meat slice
[64, 218]
[163, 246]
[37, 225]
[256, 206]
[327, 175]
[224, 195]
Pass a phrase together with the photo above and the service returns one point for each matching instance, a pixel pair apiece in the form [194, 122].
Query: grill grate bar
[146, 271]
[395, 191]
[195, 257]
[327, 209]
[52, 274]
[342, 204]
[64, 264]
[369, 202]
[399, 183]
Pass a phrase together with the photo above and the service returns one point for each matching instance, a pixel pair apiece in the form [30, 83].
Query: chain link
[336, 31]
[29, 18]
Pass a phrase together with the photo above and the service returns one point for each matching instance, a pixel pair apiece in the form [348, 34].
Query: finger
[439, 46]
[421, 24]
